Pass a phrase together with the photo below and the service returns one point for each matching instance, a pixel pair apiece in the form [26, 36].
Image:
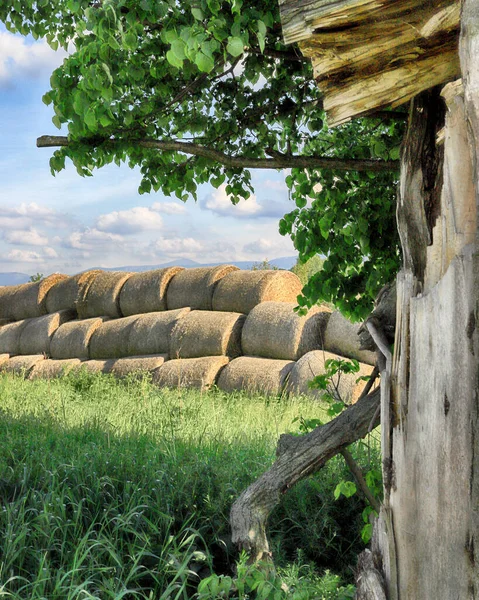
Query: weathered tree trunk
[426, 541]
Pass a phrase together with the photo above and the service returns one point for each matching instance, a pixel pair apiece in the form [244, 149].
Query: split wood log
[369, 55]
[297, 457]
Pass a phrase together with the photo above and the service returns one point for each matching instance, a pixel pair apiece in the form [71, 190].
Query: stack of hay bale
[188, 327]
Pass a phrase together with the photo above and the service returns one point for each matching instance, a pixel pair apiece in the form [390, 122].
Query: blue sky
[68, 223]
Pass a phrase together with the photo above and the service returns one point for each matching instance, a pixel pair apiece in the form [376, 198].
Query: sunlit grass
[122, 490]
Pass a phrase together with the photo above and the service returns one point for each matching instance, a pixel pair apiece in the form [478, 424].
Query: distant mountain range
[285, 262]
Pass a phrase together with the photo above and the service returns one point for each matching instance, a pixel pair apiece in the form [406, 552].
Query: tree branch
[297, 457]
[239, 162]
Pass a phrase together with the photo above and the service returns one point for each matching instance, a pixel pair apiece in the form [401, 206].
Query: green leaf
[197, 13]
[130, 41]
[174, 60]
[178, 49]
[204, 63]
[73, 5]
[90, 120]
[56, 121]
[235, 46]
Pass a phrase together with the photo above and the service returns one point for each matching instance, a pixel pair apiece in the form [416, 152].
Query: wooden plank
[360, 96]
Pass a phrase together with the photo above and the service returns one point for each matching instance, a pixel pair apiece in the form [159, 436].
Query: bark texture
[426, 538]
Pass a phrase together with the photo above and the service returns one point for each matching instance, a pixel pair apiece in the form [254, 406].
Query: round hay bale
[341, 337]
[207, 333]
[122, 367]
[10, 337]
[241, 291]
[146, 292]
[64, 294]
[343, 387]
[30, 298]
[199, 373]
[36, 336]
[21, 365]
[7, 293]
[111, 339]
[195, 287]
[93, 366]
[72, 339]
[100, 296]
[3, 359]
[52, 369]
[255, 375]
[274, 330]
[150, 333]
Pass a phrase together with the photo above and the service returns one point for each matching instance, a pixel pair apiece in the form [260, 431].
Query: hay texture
[93, 366]
[10, 337]
[36, 336]
[111, 339]
[274, 330]
[28, 300]
[146, 292]
[123, 367]
[150, 333]
[195, 287]
[207, 333]
[241, 291]
[72, 339]
[343, 387]
[199, 373]
[53, 369]
[255, 375]
[21, 365]
[100, 296]
[3, 359]
[65, 293]
[341, 337]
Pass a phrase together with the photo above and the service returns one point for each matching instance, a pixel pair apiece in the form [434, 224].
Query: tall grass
[122, 490]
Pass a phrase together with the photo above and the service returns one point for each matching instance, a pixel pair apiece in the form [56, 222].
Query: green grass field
[115, 489]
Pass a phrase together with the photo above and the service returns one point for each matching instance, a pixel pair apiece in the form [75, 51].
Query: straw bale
[7, 293]
[111, 339]
[199, 373]
[21, 365]
[341, 337]
[146, 292]
[241, 291]
[195, 287]
[207, 333]
[27, 300]
[93, 366]
[64, 294]
[274, 330]
[137, 364]
[51, 369]
[344, 387]
[255, 375]
[100, 296]
[151, 332]
[72, 339]
[36, 336]
[10, 336]
[3, 359]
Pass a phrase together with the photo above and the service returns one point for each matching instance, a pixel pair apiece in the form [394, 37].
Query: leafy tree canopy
[204, 91]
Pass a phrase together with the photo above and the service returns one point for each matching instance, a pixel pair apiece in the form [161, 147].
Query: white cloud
[90, 238]
[25, 215]
[134, 220]
[24, 256]
[169, 208]
[220, 203]
[19, 58]
[270, 248]
[25, 237]
[51, 252]
[177, 246]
